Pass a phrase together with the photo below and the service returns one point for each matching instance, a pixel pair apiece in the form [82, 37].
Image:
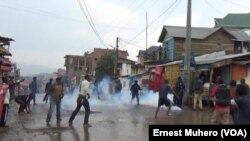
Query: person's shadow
[86, 133]
[58, 135]
[76, 135]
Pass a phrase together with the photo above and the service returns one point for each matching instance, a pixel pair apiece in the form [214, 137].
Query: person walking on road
[198, 92]
[82, 100]
[135, 88]
[179, 89]
[47, 90]
[33, 90]
[55, 100]
[221, 97]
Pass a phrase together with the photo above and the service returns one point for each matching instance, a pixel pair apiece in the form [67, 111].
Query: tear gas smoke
[101, 95]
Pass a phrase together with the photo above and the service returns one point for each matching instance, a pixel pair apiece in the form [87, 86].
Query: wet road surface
[109, 123]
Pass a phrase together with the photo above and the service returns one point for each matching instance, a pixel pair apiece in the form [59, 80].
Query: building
[75, 67]
[232, 20]
[6, 66]
[204, 40]
[153, 53]
[78, 65]
[125, 66]
[5, 63]
[150, 56]
[238, 22]
[98, 52]
[125, 69]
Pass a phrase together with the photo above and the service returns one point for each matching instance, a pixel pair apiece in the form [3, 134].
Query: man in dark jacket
[47, 90]
[243, 103]
[179, 89]
[198, 91]
[135, 88]
[243, 84]
[118, 86]
[33, 90]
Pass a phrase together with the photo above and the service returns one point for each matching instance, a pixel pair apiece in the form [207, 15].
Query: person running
[135, 88]
[163, 99]
[55, 100]
[82, 100]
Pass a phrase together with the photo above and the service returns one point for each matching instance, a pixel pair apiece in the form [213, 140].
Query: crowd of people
[232, 100]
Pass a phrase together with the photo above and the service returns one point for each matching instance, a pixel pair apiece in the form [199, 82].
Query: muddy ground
[125, 122]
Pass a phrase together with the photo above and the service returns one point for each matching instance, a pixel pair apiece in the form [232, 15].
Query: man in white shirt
[82, 100]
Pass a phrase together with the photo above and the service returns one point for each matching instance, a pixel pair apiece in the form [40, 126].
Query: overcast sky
[46, 30]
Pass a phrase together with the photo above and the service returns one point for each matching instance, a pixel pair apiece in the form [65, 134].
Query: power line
[39, 12]
[153, 21]
[130, 43]
[117, 17]
[127, 16]
[142, 12]
[236, 4]
[175, 7]
[210, 5]
[91, 24]
[55, 15]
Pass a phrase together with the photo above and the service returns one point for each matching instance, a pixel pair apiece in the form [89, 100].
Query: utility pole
[146, 36]
[187, 59]
[85, 63]
[117, 57]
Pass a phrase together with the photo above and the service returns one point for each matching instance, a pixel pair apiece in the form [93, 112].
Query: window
[70, 60]
[237, 47]
[82, 63]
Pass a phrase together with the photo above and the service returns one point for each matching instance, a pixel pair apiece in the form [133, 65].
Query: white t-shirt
[7, 98]
[7, 95]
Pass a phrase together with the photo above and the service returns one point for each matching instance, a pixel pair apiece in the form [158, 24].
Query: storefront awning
[241, 62]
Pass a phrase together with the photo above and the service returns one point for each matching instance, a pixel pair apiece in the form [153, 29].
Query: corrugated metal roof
[207, 60]
[5, 39]
[197, 32]
[201, 32]
[234, 20]
[213, 60]
[239, 34]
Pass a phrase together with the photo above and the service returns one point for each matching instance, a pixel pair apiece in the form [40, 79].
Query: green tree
[105, 66]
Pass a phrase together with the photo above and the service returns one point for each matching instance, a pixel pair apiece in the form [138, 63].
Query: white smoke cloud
[106, 98]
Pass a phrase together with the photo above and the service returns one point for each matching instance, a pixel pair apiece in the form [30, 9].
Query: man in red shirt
[221, 113]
